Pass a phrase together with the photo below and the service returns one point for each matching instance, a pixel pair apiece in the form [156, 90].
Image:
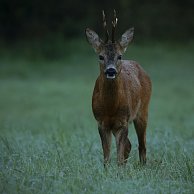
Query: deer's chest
[111, 111]
[112, 118]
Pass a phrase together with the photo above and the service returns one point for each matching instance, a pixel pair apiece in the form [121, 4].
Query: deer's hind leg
[140, 124]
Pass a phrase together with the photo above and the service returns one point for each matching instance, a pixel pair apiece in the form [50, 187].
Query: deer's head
[110, 51]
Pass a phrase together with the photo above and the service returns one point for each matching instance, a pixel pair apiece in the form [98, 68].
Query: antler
[105, 27]
[114, 24]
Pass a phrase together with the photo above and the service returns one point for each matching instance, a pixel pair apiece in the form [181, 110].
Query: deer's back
[137, 82]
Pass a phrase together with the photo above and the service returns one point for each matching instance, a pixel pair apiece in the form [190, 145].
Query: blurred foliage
[37, 19]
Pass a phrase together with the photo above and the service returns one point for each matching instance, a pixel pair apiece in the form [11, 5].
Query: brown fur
[116, 103]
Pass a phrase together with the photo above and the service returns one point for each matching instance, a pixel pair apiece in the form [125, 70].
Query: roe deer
[121, 94]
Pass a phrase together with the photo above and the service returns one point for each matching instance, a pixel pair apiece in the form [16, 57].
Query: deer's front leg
[105, 136]
[123, 145]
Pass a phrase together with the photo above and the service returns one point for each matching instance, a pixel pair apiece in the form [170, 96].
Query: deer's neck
[110, 90]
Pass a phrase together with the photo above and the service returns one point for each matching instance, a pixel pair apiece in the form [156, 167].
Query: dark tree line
[164, 19]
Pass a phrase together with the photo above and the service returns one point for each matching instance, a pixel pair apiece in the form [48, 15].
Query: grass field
[49, 141]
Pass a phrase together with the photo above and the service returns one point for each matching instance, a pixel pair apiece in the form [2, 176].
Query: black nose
[110, 71]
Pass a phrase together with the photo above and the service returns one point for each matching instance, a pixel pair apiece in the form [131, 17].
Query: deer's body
[121, 96]
[117, 102]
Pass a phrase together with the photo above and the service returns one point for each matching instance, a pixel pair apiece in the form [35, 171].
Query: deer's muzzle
[110, 72]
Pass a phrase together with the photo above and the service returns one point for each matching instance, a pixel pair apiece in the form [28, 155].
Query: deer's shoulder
[133, 68]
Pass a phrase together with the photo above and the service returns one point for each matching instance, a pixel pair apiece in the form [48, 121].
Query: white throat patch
[110, 76]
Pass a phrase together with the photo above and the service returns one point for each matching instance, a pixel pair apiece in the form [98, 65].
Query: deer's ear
[126, 38]
[93, 39]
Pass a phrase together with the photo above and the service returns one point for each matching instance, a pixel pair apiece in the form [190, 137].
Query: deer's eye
[119, 57]
[101, 57]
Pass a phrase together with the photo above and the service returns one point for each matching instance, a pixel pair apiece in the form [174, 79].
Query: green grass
[49, 141]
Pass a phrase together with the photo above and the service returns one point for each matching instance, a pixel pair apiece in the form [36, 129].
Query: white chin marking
[110, 77]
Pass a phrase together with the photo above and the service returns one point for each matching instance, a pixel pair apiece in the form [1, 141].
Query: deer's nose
[110, 72]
